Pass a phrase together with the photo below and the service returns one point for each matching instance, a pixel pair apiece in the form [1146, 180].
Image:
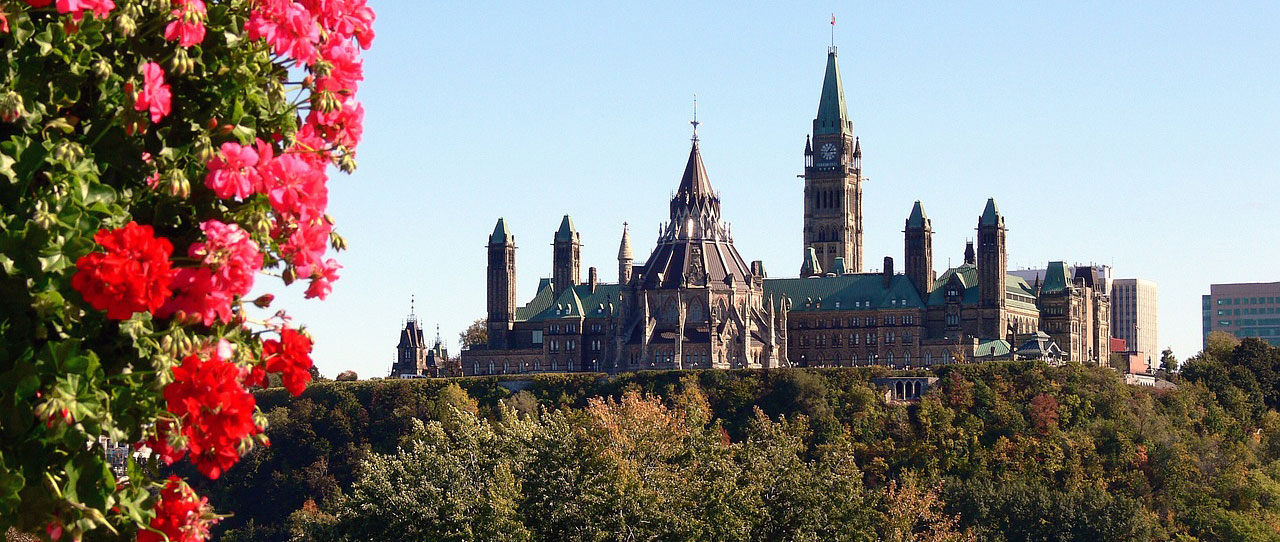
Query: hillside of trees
[996, 451]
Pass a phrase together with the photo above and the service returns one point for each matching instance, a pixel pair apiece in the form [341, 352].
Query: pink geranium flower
[233, 171]
[188, 23]
[154, 96]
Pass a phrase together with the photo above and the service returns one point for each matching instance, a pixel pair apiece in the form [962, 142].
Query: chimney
[592, 278]
[888, 270]
[969, 257]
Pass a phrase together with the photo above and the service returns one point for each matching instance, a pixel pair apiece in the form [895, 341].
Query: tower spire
[694, 122]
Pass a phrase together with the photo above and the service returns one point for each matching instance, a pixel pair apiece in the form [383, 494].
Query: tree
[1168, 363]
[914, 514]
[476, 333]
[155, 158]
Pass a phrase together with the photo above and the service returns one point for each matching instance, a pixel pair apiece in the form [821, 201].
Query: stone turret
[567, 256]
[501, 285]
[919, 250]
[626, 258]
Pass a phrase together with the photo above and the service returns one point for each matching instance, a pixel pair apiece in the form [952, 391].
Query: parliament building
[696, 303]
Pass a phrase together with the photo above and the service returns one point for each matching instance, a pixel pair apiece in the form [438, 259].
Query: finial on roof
[694, 122]
[833, 32]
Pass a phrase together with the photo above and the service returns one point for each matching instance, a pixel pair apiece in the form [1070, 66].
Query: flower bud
[204, 149]
[101, 68]
[42, 218]
[69, 151]
[336, 241]
[125, 24]
[326, 101]
[177, 183]
[289, 275]
[347, 162]
[263, 301]
[181, 62]
[11, 106]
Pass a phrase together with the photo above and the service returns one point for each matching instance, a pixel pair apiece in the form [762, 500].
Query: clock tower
[833, 180]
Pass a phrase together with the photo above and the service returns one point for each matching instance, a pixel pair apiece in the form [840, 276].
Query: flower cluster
[181, 515]
[291, 357]
[127, 109]
[187, 26]
[131, 275]
[214, 413]
[76, 8]
[229, 259]
[154, 97]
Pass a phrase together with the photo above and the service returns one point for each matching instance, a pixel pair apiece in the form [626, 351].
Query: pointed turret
[566, 232]
[993, 265]
[626, 258]
[917, 218]
[566, 256]
[833, 116]
[501, 284]
[501, 235]
[991, 214]
[919, 250]
[811, 266]
[695, 197]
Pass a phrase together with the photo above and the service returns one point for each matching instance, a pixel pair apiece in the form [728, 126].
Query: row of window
[874, 359]
[1238, 312]
[870, 321]
[1248, 300]
[856, 339]
[509, 367]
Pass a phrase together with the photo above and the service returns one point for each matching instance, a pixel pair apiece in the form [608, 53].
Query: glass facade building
[1245, 310]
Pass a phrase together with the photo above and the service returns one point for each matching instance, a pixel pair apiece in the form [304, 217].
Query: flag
[833, 19]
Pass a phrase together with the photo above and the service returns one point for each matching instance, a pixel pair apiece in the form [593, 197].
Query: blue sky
[1140, 135]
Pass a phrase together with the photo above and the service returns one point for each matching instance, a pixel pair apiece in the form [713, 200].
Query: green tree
[1168, 363]
[476, 334]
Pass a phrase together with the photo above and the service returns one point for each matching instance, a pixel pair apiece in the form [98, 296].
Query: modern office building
[1249, 309]
[1134, 304]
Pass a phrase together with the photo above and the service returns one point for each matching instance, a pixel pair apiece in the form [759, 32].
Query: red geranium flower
[213, 409]
[291, 357]
[132, 275]
[181, 515]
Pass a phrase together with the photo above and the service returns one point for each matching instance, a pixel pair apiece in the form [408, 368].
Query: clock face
[828, 151]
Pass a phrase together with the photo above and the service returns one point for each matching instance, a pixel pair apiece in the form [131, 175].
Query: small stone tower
[919, 250]
[567, 257]
[502, 285]
[993, 265]
[626, 258]
[411, 352]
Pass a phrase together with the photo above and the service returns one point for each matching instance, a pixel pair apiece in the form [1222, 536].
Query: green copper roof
[500, 234]
[576, 302]
[860, 291]
[992, 348]
[990, 215]
[566, 231]
[832, 114]
[967, 276]
[1055, 278]
[811, 265]
[917, 218]
[837, 266]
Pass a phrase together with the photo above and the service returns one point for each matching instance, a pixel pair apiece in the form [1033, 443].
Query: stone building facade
[695, 302]
[415, 357]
